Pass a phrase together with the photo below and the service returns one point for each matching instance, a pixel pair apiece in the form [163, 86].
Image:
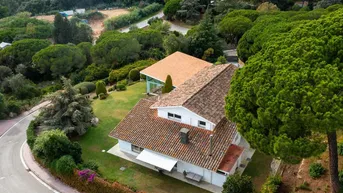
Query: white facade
[187, 116]
[80, 11]
[209, 176]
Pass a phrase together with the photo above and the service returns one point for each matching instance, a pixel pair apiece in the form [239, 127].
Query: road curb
[32, 172]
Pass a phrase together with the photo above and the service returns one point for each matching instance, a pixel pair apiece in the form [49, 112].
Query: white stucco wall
[187, 116]
[208, 176]
[237, 138]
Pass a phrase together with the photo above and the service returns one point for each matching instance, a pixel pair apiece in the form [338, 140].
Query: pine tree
[168, 85]
[62, 33]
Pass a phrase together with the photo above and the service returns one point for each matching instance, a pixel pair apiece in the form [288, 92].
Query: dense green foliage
[238, 184]
[282, 115]
[85, 87]
[267, 25]
[115, 50]
[175, 42]
[69, 111]
[20, 87]
[65, 165]
[168, 85]
[340, 148]
[59, 59]
[190, 11]
[100, 88]
[5, 72]
[132, 17]
[205, 37]
[271, 185]
[31, 134]
[53, 144]
[2, 106]
[233, 28]
[22, 26]
[123, 72]
[171, 8]
[21, 52]
[316, 170]
[134, 75]
[86, 50]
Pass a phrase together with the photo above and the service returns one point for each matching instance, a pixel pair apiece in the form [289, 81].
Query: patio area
[246, 157]
[132, 158]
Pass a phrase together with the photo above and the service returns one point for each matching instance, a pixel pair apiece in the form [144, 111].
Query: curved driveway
[13, 176]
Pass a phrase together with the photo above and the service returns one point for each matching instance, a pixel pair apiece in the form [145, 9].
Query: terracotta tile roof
[143, 128]
[204, 93]
[230, 157]
[178, 65]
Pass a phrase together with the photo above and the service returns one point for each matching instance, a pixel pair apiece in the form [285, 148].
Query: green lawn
[258, 168]
[110, 112]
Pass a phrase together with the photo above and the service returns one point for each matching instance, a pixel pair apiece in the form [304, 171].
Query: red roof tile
[142, 127]
[230, 158]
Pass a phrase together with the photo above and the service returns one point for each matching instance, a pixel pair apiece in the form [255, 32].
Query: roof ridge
[207, 82]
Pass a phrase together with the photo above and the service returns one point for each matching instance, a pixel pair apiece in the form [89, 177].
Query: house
[4, 45]
[186, 131]
[80, 11]
[67, 13]
[178, 65]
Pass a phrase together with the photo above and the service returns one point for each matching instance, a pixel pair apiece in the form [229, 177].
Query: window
[136, 149]
[202, 124]
[174, 116]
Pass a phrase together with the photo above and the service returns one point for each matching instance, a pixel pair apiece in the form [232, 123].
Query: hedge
[123, 72]
[31, 134]
[134, 75]
[271, 185]
[90, 86]
[132, 17]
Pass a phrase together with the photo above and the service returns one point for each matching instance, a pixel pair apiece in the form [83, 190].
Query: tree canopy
[290, 92]
[59, 59]
[232, 28]
[69, 111]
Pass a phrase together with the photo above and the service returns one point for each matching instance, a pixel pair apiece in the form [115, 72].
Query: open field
[110, 112]
[96, 25]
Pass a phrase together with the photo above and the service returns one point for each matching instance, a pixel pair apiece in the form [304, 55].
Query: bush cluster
[85, 87]
[31, 134]
[123, 72]
[65, 165]
[101, 88]
[316, 170]
[271, 185]
[132, 17]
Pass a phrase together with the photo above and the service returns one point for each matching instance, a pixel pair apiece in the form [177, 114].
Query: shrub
[89, 85]
[171, 8]
[53, 144]
[221, 60]
[316, 170]
[65, 165]
[123, 72]
[110, 89]
[83, 90]
[51, 88]
[5, 72]
[238, 184]
[100, 88]
[31, 134]
[13, 107]
[304, 186]
[124, 82]
[134, 75]
[92, 165]
[121, 87]
[102, 96]
[340, 177]
[168, 86]
[340, 148]
[271, 185]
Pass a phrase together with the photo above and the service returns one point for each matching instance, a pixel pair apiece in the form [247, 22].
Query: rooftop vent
[184, 135]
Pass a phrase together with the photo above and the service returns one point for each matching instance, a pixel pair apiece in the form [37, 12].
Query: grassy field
[110, 112]
[258, 169]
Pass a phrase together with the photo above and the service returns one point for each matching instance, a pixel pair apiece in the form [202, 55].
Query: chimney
[211, 145]
[184, 135]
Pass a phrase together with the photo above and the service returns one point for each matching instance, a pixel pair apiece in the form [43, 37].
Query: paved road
[13, 176]
[144, 23]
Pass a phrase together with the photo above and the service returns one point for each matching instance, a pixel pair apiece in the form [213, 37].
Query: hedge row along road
[13, 176]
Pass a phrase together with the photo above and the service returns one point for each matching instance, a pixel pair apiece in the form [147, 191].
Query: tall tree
[62, 30]
[168, 85]
[69, 111]
[204, 37]
[289, 93]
